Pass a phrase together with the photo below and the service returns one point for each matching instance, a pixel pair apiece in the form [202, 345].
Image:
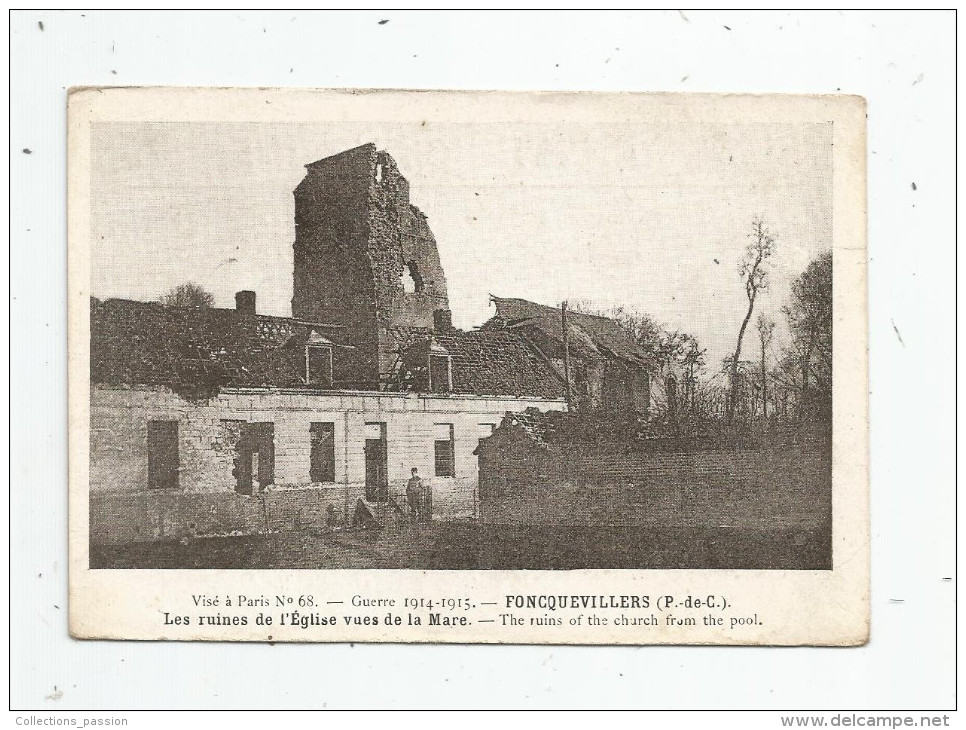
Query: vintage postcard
[471, 367]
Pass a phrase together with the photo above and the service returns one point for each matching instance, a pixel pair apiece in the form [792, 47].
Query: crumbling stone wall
[358, 238]
[332, 274]
[604, 484]
[124, 509]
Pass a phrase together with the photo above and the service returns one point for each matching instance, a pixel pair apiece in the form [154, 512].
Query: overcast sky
[651, 216]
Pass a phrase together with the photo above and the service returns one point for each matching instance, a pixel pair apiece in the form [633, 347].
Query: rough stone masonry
[365, 258]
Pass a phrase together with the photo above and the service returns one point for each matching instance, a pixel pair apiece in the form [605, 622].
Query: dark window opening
[440, 373]
[255, 458]
[377, 463]
[582, 380]
[445, 450]
[318, 365]
[642, 395]
[672, 393]
[163, 459]
[412, 279]
[322, 464]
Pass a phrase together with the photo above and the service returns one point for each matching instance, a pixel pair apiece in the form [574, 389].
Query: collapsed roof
[195, 351]
[589, 335]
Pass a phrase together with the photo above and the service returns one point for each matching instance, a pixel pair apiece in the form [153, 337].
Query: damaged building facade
[208, 421]
[366, 261]
[608, 371]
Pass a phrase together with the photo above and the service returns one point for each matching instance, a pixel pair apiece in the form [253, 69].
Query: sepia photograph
[536, 346]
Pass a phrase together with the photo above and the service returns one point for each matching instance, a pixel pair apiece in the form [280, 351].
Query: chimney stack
[245, 302]
[442, 320]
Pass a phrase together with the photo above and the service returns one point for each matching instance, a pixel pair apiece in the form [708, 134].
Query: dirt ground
[428, 546]
[771, 514]
[463, 545]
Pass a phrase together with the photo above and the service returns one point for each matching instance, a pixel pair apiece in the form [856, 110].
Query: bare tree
[681, 352]
[766, 328]
[755, 277]
[784, 376]
[809, 317]
[666, 347]
[188, 295]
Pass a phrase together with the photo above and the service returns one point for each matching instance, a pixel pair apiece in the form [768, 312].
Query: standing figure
[414, 495]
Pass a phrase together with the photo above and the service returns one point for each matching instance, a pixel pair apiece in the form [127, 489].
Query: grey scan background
[902, 62]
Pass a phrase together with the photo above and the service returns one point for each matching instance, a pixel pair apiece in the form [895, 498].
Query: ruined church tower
[365, 259]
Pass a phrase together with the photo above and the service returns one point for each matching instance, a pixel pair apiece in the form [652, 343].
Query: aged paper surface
[401, 366]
